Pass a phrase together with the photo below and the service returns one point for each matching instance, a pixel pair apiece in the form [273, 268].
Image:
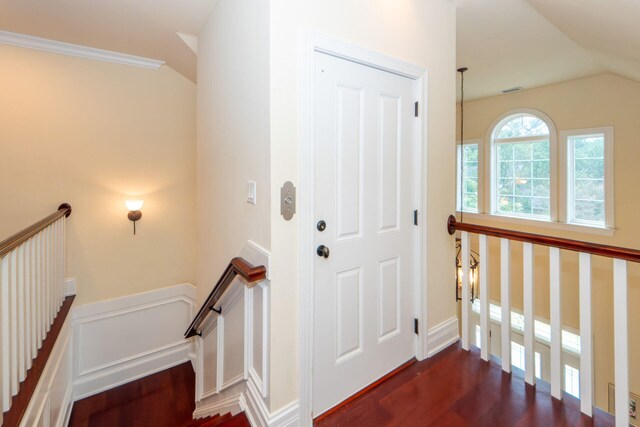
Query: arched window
[526, 170]
[522, 154]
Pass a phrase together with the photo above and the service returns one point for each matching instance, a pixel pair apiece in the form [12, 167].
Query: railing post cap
[67, 207]
[451, 224]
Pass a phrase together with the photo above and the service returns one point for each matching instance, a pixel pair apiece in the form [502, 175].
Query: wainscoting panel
[120, 340]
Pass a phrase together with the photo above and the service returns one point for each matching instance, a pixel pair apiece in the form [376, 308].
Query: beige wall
[421, 32]
[233, 134]
[604, 100]
[94, 134]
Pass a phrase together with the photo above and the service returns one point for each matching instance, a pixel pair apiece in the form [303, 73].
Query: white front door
[365, 143]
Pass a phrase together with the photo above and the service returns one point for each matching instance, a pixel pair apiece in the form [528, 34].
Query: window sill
[552, 225]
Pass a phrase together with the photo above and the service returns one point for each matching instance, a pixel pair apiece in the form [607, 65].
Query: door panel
[365, 136]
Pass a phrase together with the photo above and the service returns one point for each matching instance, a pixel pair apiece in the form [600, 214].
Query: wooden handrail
[237, 266]
[632, 255]
[20, 237]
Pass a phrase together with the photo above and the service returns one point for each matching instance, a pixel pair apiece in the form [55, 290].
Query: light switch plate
[251, 192]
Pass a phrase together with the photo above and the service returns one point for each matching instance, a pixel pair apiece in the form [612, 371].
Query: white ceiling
[531, 43]
[137, 27]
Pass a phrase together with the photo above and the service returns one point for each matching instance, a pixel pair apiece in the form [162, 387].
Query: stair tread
[210, 421]
[239, 420]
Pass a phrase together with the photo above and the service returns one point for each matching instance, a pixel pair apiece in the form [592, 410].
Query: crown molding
[38, 43]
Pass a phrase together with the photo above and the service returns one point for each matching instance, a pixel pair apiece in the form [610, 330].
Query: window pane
[505, 169]
[522, 151]
[529, 191]
[522, 125]
[469, 181]
[588, 186]
[541, 187]
[523, 187]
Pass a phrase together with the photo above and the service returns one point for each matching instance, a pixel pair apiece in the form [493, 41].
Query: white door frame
[311, 43]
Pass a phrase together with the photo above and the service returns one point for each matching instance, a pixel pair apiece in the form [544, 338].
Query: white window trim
[480, 144]
[566, 190]
[553, 164]
[558, 180]
[542, 223]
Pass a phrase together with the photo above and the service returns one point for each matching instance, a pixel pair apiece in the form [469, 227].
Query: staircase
[226, 420]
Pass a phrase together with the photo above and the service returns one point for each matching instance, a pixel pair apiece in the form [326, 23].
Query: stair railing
[237, 266]
[619, 256]
[32, 273]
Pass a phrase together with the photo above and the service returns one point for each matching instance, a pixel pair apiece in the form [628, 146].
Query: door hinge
[417, 108]
[415, 217]
[415, 326]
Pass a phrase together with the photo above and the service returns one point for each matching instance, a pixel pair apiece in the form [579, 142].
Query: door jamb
[313, 42]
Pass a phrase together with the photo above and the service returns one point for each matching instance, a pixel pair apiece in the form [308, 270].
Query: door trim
[313, 42]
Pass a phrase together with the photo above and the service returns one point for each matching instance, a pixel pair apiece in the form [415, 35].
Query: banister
[20, 237]
[237, 266]
[627, 254]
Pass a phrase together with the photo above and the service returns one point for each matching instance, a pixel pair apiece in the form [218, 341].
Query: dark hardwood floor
[165, 399]
[456, 388]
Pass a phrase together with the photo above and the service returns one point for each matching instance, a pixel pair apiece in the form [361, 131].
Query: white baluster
[22, 370]
[61, 261]
[13, 321]
[555, 299]
[620, 333]
[34, 296]
[529, 317]
[27, 304]
[5, 370]
[41, 297]
[505, 302]
[49, 283]
[466, 306]
[485, 342]
[586, 345]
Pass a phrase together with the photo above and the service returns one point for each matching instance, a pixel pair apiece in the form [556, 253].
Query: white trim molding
[114, 360]
[443, 335]
[52, 46]
[259, 415]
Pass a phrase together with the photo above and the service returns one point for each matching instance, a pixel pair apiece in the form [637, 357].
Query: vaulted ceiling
[531, 43]
[138, 27]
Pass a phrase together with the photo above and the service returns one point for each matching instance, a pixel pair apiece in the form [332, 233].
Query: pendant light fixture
[473, 261]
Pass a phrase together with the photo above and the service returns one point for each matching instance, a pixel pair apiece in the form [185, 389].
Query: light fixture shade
[134, 205]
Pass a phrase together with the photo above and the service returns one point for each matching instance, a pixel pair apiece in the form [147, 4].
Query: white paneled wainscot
[123, 339]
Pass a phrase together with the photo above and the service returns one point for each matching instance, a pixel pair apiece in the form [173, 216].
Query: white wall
[233, 134]
[421, 32]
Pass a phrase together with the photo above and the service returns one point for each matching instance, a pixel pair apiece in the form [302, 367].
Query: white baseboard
[259, 415]
[139, 367]
[124, 339]
[442, 336]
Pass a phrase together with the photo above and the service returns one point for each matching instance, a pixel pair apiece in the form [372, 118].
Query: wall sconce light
[134, 215]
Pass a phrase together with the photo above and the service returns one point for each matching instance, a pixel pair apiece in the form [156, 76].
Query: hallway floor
[456, 388]
[165, 399]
